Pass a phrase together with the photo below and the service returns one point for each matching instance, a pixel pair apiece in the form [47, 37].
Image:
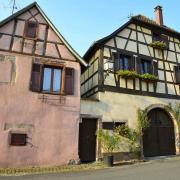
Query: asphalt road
[156, 170]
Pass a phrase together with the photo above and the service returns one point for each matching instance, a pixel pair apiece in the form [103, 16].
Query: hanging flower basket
[127, 74]
[148, 77]
[158, 45]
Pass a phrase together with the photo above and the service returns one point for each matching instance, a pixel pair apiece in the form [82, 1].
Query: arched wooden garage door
[159, 138]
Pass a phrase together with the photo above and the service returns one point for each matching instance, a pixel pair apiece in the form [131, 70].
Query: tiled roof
[150, 21]
[139, 18]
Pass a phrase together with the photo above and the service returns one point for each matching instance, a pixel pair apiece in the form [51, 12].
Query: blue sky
[82, 22]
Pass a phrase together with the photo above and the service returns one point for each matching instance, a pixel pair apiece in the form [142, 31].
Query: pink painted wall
[52, 127]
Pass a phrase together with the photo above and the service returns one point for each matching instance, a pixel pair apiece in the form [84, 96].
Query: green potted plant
[148, 77]
[127, 74]
[109, 143]
[134, 136]
[158, 45]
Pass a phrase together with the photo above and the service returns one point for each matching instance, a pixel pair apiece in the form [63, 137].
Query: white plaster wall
[124, 33]
[131, 46]
[143, 49]
[133, 35]
[120, 42]
[120, 107]
[106, 52]
[141, 37]
[132, 26]
[160, 87]
[110, 43]
[145, 30]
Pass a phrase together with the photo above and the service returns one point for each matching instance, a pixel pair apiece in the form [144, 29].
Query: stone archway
[162, 137]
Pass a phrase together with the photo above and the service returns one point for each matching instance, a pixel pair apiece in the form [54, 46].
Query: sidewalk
[81, 167]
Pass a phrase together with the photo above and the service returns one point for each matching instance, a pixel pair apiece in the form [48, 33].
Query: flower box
[158, 45]
[127, 74]
[149, 77]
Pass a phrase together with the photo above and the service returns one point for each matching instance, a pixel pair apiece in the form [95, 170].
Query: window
[52, 79]
[112, 125]
[123, 62]
[145, 66]
[18, 139]
[160, 37]
[30, 30]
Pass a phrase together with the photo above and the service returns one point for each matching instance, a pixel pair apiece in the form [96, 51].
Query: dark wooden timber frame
[34, 41]
[101, 45]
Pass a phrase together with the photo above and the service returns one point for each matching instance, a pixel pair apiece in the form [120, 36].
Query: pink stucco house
[40, 92]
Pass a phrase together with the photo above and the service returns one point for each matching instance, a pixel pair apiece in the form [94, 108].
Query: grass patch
[55, 169]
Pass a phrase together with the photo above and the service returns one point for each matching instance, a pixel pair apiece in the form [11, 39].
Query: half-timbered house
[137, 66]
[40, 92]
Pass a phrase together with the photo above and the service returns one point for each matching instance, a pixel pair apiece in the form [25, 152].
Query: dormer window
[31, 29]
[160, 37]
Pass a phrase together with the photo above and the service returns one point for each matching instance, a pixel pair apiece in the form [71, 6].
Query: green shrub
[175, 110]
[109, 142]
[134, 136]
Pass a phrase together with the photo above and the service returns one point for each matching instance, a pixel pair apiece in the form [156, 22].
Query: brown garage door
[159, 138]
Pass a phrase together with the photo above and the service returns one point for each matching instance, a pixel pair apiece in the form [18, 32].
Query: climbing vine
[134, 136]
[175, 110]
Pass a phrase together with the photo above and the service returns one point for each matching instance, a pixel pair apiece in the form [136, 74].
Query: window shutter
[69, 81]
[138, 65]
[132, 63]
[116, 61]
[155, 68]
[177, 74]
[36, 77]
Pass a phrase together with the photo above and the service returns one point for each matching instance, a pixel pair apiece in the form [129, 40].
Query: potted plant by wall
[158, 45]
[127, 74]
[134, 136]
[109, 143]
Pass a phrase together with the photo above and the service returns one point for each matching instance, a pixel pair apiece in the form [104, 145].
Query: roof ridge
[151, 21]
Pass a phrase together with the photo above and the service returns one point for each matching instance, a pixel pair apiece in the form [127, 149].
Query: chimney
[158, 15]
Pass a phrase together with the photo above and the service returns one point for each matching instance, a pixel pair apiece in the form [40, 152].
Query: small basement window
[111, 125]
[31, 29]
[18, 139]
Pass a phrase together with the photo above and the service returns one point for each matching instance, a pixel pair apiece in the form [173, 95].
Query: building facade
[110, 97]
[40, 92]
